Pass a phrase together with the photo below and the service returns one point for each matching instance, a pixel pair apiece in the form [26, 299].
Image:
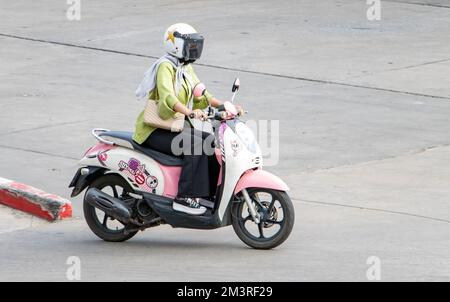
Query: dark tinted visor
[193, 45]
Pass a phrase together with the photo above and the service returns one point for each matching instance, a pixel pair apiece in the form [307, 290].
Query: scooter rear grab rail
[94, 134]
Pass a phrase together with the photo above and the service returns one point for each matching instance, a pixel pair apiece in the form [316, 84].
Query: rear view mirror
[236, 85]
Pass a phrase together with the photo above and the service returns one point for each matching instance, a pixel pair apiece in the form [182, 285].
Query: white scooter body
[142, 172]
[148, 171]
[149, 182]
[145, 174]
[237, 159]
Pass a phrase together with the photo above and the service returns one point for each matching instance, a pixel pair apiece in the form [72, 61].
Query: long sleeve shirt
[165, 94]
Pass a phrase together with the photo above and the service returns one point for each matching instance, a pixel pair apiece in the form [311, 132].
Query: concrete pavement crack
[78, 46]
[37, 152]
[372, 209]
[421, 4]
[425, 149]
[390, 157]
[231, 68]
[42, 127]
[397, 69]
[418, 65]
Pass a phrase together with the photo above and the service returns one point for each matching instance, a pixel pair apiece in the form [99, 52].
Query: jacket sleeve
[166, 91]
[203, 101]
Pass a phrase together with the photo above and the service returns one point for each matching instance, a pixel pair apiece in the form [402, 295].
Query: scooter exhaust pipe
[112, 206]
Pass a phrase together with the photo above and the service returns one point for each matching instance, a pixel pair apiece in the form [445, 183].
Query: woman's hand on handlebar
[198, 114]
[239, 109]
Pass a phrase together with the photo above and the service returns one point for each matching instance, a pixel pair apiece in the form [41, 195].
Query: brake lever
[242, 112]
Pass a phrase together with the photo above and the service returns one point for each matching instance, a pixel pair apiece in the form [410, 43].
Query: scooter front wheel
[276, 218]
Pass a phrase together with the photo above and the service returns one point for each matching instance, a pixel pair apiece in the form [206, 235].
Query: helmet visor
[192, 46]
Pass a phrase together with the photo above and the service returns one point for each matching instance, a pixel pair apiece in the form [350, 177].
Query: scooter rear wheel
[98, 221]
[277, 218]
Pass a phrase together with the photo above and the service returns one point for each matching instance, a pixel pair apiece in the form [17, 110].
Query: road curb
[34, 201]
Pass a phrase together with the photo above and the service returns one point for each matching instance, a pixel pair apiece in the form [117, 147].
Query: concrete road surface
[364, 139]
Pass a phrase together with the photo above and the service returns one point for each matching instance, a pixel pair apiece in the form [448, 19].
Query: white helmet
[182, 41]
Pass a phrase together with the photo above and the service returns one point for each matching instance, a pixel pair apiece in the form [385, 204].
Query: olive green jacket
[165, 93]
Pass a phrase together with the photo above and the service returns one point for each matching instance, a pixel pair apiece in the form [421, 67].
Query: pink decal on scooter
[140, 179]
[133, 164]
[222, 128]
[218, 155]
[152, 182]
[171, 177]
[219, 180]
[260, 179]
[98, 148]
[103, 156]
[236, 147]
[219, 160]
[122, 165]
[136, 171]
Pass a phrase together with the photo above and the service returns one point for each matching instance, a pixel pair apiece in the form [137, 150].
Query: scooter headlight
[246, 136]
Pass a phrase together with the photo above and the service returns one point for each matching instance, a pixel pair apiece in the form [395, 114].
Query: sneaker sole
[188, 210]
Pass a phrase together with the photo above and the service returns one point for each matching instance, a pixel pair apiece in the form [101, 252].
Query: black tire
[268, 221]
[100, 228]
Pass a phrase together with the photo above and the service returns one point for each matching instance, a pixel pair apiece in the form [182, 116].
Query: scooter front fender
[260, 179]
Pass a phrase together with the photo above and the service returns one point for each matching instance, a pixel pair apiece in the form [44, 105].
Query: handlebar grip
[220, 115]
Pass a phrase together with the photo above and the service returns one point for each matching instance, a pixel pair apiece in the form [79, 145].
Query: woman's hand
[216, 103]
[239, 109]
[199, 114]
[196, 113]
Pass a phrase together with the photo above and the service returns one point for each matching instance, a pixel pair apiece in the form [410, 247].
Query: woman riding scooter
[131, 185]
[171, 80]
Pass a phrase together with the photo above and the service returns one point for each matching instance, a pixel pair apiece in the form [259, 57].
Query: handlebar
[220, 115]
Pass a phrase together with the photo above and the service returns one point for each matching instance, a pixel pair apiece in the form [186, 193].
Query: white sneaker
[188, 205]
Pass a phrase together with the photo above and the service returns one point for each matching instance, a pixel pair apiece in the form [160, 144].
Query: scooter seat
[125, 139]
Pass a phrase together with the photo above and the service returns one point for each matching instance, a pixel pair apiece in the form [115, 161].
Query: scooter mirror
[236, 85]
